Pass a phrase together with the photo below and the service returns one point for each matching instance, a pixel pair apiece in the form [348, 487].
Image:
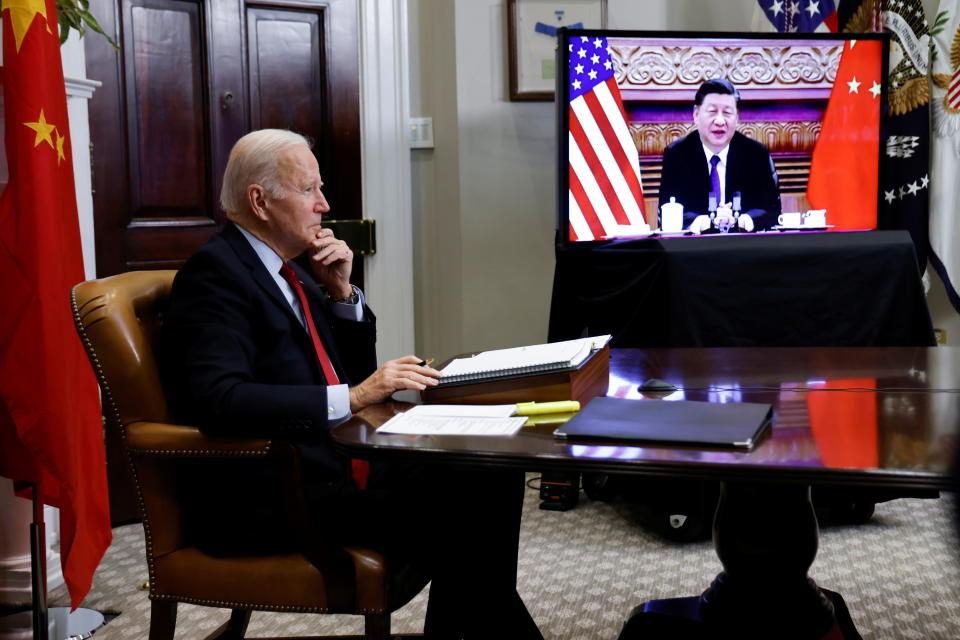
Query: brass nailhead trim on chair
[108, 395]
[200, 453]
[229, 604]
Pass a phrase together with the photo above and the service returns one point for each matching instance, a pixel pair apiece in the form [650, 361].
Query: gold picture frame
[531, 36]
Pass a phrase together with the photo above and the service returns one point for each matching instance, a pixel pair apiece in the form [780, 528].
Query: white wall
[484, 198]
[435, 182]
[507, 193]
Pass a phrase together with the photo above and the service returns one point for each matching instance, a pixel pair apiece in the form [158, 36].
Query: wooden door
[191, 77]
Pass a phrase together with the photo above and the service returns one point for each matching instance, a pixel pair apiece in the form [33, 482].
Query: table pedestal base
[766, 538]
[681, 618]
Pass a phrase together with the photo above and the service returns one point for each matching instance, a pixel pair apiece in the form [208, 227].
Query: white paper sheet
[463, 410]
[455, 420]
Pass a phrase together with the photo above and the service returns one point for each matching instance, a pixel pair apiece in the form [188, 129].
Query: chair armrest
[158, 453]
[180, 441]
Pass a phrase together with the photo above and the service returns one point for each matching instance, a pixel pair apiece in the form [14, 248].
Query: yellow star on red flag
[43, 129]
[22, 13]
[60, 141]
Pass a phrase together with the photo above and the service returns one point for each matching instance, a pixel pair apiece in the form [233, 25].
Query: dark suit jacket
[236, 360]
[750, 171]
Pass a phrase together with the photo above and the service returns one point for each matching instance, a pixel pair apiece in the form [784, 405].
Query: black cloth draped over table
[806, 289]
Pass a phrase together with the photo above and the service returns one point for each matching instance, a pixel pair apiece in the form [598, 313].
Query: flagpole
[38, 562]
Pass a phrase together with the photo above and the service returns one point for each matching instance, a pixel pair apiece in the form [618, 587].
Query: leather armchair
[118, 319]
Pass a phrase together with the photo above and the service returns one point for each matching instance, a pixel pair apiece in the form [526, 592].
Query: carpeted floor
[582, 571]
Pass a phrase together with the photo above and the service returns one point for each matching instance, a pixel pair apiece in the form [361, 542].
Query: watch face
[536, 32]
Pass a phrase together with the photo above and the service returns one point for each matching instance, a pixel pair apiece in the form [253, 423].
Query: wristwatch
[354, 298]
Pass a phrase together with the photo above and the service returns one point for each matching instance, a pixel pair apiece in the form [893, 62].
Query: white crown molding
[81, 87]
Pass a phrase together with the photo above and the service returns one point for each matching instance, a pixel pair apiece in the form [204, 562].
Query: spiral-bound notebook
[537, 358]
[736, 425]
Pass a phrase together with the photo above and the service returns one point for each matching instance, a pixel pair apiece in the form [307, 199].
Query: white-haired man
[255, 344]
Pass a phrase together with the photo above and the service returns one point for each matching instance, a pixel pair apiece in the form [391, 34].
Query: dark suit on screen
[750, 171]
[236, 360]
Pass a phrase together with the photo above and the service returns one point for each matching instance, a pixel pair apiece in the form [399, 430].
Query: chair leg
[376, 626]
[234, 628]
[163, 619]
[237, 627]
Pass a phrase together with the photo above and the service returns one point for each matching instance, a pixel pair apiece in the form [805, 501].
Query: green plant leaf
[75, 14]
[93, 24]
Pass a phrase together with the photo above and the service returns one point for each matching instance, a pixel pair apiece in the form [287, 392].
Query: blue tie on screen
[715, 179]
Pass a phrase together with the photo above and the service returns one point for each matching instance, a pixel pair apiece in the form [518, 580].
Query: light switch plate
[421, 133]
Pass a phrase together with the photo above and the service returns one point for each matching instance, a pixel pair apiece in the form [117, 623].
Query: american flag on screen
[605, 192]
[805, 16]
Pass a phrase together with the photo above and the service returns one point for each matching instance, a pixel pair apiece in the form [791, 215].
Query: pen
[425, 363]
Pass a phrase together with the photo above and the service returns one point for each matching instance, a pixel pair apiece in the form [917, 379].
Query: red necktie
[360, 468]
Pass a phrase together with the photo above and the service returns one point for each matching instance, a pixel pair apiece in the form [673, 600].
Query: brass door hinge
[360, 235]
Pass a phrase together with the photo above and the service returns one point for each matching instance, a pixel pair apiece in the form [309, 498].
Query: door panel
[167, 115]
[285, 53]
[172, 203]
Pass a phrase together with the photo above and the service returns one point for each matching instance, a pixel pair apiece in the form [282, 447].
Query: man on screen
[716, 163]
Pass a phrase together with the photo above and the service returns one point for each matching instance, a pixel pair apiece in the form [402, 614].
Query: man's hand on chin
[332, 263]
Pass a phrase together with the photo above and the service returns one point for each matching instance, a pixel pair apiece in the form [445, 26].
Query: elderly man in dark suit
[716, 160]
[255, 344]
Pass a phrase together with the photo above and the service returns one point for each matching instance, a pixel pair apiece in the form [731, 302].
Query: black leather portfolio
[736, 425]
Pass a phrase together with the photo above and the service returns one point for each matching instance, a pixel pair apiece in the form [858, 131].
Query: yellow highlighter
[537, 408]
[548, 419]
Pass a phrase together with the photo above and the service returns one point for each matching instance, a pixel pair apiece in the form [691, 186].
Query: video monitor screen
[683, 134]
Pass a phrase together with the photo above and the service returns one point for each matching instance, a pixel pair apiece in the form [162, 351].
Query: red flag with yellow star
[844, 167]
[50, 427]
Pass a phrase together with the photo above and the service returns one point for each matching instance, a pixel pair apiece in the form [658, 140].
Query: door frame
[385, 159]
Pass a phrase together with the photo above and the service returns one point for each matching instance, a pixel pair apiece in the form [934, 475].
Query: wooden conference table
[882, 417]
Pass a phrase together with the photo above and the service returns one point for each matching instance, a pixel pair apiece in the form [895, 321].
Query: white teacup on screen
[792, 219]
[815, 218]
[671, 216]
